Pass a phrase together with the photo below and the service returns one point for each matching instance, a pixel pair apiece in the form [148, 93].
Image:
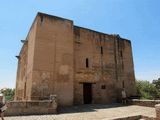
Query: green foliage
[8, 93]
[157, 83]
[147, 90]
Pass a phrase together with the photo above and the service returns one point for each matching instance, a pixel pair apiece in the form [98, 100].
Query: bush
[8, 93]
[147, 90]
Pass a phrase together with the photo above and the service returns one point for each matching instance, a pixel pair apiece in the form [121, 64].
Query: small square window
[103, 87]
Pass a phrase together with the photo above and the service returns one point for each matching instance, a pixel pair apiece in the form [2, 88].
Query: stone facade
[79, 65]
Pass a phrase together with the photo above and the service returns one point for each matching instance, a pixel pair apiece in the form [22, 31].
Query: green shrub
[147, 90]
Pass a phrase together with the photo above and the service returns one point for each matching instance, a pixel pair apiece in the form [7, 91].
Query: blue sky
[137, 20]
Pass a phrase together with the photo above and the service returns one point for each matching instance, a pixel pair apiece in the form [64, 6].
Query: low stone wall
[147, 103]
[139, 117]
[157, 111]
[130, 118]
[148, 118]
[31, 108]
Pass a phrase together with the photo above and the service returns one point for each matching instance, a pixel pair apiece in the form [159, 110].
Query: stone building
[79, 65]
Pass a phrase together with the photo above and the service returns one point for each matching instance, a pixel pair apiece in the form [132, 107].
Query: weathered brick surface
[113, 68]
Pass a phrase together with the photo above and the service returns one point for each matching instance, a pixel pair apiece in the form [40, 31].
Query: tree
[146, 90]
[157, 83]
[8, 93]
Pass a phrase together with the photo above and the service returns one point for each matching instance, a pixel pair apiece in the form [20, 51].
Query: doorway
[87, 93]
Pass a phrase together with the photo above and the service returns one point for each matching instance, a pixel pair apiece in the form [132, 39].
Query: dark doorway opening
[87, 93]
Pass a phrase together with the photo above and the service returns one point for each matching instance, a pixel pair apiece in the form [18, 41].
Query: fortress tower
[79, 65]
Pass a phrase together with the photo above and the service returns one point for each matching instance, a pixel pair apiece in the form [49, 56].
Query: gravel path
[92, 112]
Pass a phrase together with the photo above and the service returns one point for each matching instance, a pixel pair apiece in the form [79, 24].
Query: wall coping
[145, 100]
[158, 105]
[30, 101]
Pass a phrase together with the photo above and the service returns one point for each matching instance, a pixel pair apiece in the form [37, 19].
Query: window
[101, 50]
[41, 17]
[87, 63]
[123, 84]
[25, 90]
[103, 87]
[121, 54]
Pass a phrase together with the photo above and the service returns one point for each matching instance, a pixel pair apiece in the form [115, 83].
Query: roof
[52, 16]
